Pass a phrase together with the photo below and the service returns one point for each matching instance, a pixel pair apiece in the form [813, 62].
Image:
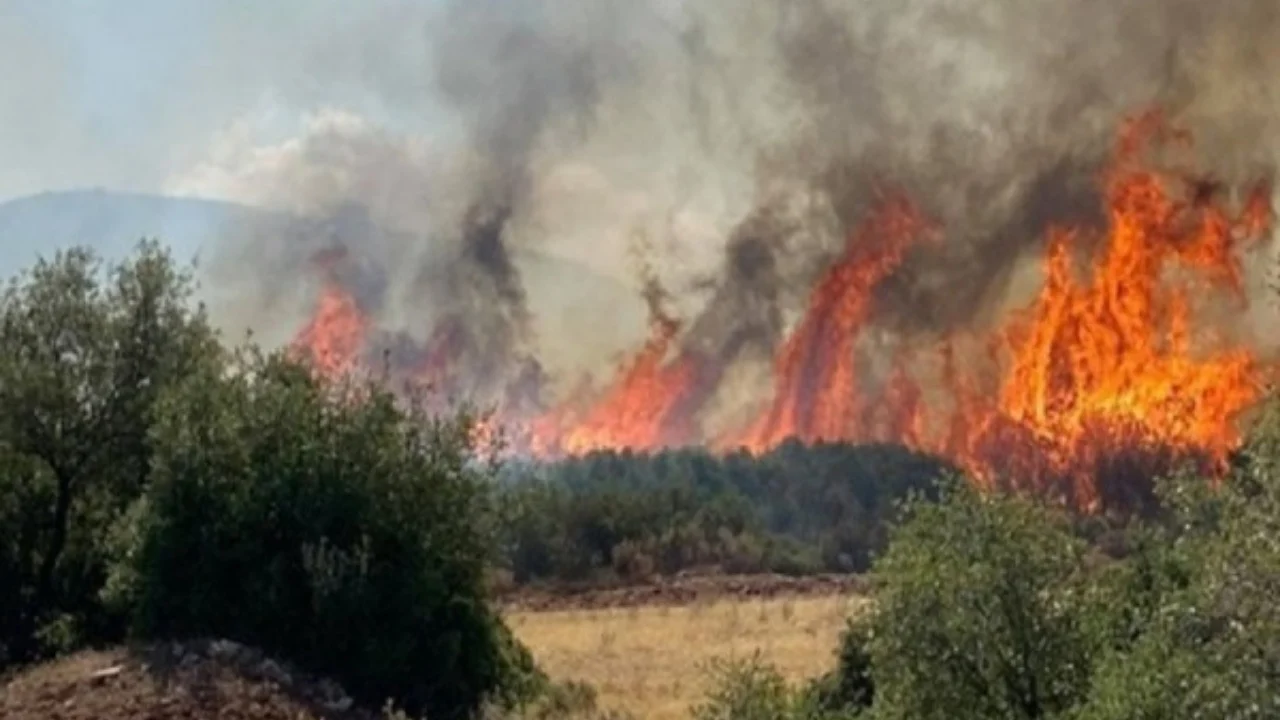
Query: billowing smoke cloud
[996, 117]
[739, 143]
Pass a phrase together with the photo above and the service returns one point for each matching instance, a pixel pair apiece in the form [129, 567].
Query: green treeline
[627, 516]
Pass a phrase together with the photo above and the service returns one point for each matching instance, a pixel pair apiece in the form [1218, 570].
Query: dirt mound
[680, 590]
[191, 681]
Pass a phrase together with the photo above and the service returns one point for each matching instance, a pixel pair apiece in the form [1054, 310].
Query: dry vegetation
[650, 660]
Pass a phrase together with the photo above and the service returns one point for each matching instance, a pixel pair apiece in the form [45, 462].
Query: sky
[130, 95]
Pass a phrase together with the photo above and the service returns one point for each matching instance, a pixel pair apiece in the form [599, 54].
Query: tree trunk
[57, 542]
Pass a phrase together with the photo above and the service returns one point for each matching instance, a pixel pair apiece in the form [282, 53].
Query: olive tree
[86, 349]
[335, 526]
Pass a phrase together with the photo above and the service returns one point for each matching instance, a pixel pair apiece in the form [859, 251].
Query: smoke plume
[742, 143]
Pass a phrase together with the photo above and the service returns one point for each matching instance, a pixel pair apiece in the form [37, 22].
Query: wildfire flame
[817, 395]
[1107, 366]
[646, 408]
[334, 339]
[1106, 372]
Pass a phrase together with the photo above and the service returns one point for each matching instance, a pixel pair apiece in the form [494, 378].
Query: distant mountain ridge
[112, 223]
[560, 289]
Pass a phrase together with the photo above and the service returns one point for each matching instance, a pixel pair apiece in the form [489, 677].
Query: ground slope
[191, 681]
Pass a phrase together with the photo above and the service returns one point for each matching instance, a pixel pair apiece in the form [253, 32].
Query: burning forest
[1028, 238]
[1114, 367]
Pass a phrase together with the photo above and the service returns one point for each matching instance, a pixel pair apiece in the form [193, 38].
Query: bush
[1193, 628]
[988, 608]
[753, 690]
[746, 690]
[850, 687]
[329, 526]
[975, 613]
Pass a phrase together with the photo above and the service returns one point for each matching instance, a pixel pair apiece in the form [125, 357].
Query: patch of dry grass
[650, 661]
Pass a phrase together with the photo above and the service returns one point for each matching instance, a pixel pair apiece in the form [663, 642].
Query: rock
[342, 704]
[108, 672]
[272, 671]
[224, 649]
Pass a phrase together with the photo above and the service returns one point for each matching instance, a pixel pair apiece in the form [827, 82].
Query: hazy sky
[127, 95]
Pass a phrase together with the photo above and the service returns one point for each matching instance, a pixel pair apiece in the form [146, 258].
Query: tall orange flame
[646, 408]
[334, 338]
[817, 395]
[1109, 365]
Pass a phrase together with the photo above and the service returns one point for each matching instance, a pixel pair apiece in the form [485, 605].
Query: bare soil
[191, 681]
[679, 590]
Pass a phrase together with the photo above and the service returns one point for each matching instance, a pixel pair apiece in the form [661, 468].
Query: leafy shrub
[850, 688]
[1189, 624]
[329, 526]
[987, 606]
[754, 690]
[746, 690]
[976, 615]
[796, 510]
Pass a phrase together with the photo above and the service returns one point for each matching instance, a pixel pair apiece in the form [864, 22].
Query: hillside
[111, 223]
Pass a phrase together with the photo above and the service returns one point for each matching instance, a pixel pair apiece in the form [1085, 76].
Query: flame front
[1105, 372]
[1108, 367]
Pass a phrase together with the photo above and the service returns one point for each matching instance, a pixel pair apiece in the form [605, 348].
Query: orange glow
[1108, 364]
[816, 394]
[646, 408]
[1104, 372]
[332, 341]
[1111, 370]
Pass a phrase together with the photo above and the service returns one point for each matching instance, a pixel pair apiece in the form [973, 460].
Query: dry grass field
[650, 660]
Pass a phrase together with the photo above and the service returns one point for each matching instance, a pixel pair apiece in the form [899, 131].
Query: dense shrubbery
[795, 510]
[331, 526]
[151, 482]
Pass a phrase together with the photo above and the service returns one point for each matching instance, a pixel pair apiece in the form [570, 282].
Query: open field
[650, 660]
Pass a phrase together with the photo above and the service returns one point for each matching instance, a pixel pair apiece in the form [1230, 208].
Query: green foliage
[754, 690]
[976, 615]
[850, 687]
[150, 479]
[1209, 646]
[746, 690]
[796, 510]
[987, 606]
[329, 526]
[85, 351]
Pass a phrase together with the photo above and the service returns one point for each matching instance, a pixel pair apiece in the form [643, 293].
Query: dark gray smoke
[747, 139]
[998, 117]
[743, 314]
